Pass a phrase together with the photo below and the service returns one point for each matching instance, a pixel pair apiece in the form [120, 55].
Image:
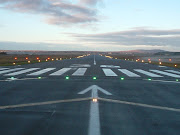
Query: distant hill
[167, 53]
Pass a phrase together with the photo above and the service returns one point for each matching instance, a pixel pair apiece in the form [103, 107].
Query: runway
[121, 97]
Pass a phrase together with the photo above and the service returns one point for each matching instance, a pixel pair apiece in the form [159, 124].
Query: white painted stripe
[166, 73]
[172, 71]
[109, 66]
[108, 72]
[41, 72]
[10, 70]
[94, 121]
[147, 73]
[60, 72]
[163, 81]
[3, 68]
[128, 73]
[80, 72]
[21, 72]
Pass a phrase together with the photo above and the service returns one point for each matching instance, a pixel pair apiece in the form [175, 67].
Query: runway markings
[109, 66]
[41, 72]
[108, 72]
[140, 104]
[128, 73]
[79, 72]
[80, 65]
[60, 72]
[172, 71]
[147, 73]
[3, 68]
[10, 70]
[21, 72]
[166, 73]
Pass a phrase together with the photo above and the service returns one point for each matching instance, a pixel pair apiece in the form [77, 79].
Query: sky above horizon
[89, 25]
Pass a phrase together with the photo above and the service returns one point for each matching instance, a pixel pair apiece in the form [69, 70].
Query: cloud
[5, 45]
[134, 37]
[90, 2]
[56, 12]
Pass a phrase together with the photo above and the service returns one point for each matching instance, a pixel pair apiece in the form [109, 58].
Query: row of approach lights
[37, 58]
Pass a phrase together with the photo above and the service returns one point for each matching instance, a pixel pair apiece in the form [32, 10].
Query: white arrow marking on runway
[94, 121]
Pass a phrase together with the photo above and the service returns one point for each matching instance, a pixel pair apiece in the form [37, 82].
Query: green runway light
[12, 78]
[149, 79]
[94, 78]
[39, 77]
[67, 77]
[122, 78]
[177, 80]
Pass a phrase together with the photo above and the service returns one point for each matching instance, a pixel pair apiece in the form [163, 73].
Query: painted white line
[109, 66]
[80, 65]
[128, 73]
[10, 70]
[94, 60]
[172, 71]
[163, 81]
[161, 66]
[108, 72]
[79, 72]
[147, 73]
[60, 72]
[166, 73]
[41, 72]
[94, 121]
[142, 105]
[21, 72]
[3, 68]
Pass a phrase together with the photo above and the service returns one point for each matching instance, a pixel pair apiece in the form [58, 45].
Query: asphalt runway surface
[93, 95]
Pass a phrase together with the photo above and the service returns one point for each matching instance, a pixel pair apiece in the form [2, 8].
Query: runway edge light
[94, 78]
[122, 78]
[67, 78]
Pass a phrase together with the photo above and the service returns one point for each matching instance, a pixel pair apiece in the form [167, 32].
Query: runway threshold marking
[94, 121]
[79, 72]
[172, 71]
[21, 72]
[108, 72]
[3, 68]
[41, 72]
[147, 73]
[10, 70]
[60, 72]
[128, 73]
[139, 104]
[166, 73]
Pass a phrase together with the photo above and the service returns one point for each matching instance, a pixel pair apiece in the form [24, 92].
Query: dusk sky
[89, 25]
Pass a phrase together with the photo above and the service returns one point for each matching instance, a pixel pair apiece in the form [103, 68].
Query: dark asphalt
[72, 118]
